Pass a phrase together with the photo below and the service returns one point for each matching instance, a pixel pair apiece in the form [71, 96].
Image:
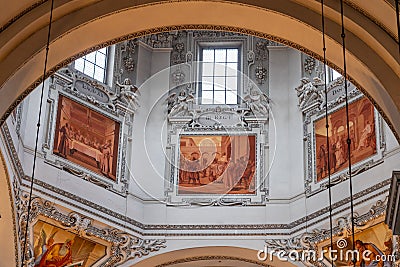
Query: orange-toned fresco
[220, 164]
[86, 137]
[55, 247]
[377, 240]
[362, 135]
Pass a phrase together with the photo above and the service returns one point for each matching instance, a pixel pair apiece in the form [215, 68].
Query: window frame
[220, 45]
[107, 62]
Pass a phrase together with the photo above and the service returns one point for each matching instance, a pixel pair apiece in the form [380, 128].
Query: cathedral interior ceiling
[374, 69]
[74, 20]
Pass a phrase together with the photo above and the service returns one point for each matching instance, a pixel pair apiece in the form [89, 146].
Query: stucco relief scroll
[50, 221]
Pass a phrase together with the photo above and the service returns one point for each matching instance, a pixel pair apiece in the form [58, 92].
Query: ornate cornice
[195, 27]
[169, 230]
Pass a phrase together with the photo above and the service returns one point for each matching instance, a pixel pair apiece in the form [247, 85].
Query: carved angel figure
[180, 103]
[308, 91]
[130, 92]
[257, 101]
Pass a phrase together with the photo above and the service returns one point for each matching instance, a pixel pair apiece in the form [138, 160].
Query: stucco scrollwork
[312, 240]
[128, 61]
[309, 64]
[123, 246]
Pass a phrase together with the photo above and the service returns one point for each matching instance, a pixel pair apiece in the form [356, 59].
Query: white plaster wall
[149, 136]
[287, 168]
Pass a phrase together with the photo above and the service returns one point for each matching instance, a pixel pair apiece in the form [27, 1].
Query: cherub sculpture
[257, 101]
[308, 92]
[130, 92]
[180, 103]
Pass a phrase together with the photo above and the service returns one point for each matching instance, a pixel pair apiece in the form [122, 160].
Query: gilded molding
[347, 2]
[24, 12]
[372, 18]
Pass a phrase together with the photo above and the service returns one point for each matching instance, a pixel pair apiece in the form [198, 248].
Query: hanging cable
[37, 135]
[327, 131]
[343, 35]
[398, 23]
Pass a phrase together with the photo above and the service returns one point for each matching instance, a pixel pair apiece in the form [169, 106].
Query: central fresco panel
[219, 164]
[218, 117]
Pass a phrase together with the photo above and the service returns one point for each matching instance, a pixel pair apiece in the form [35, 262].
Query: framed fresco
[56, 247]
[60, 237]
[217, 158]
[362, 135]
[86, 137]
[88, 130]
[217, 164]
[366, 133]
[377, 239]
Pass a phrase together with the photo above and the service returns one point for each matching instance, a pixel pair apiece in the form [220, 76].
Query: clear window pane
[208, 69]
[79, 64]
[231, 83]
[335, 74]
[231, 69]
[207, 87]
[207, 80]
[208, 55]
[232, 55]
[93, 64]
[219, 97]
[231, 97]
[91, 57]
[207, 97]
[89, 69]
[219, 82]
[219, 79]
[220, 55]
[98, 73]
[103, 50]
[101, 60]
[219, 69]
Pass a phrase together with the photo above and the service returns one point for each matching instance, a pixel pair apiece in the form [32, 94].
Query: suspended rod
[343, 35]
[37, 137]
[327, 130]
